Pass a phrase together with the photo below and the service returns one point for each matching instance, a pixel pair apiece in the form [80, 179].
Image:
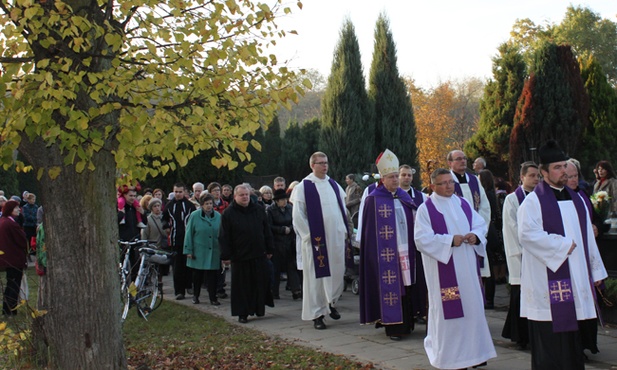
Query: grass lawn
[181, 337]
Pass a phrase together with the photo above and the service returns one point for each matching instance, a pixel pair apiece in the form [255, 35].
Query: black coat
[245, 233]
[279, 219]
[175, 217]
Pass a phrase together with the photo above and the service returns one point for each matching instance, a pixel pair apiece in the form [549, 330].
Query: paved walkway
[364, 343]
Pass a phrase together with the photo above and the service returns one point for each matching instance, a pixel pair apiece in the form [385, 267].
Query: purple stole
[391, 279]
[416, 197]
[520, 194]
[450, 294]
[316, 226]
[474, 186]
[587, 203]
[561, 297]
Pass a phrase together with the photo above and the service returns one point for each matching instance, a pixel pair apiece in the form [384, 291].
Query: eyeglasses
[458, 159]
[449, 182]
[321, 163]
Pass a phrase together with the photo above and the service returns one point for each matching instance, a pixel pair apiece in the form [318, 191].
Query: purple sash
[387, 249]
[348, 253]
[450, 294]
[520, 194]
[317, 230]
[563, 311]
[474, 186]
[587, 203]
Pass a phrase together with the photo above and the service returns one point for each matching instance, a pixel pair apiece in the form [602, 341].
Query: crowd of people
[431, 258]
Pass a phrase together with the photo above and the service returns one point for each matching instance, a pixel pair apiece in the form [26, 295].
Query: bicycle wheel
[125, 296]
[149, 296]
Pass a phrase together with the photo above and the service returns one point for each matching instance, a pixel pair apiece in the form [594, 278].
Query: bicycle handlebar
[134, 242]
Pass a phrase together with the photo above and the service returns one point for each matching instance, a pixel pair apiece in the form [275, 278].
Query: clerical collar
[561, 194]
[526, 192]
[462, 179]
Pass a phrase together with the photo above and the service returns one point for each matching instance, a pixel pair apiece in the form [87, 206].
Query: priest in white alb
[450, 234]
[320, 221]
[561, 264]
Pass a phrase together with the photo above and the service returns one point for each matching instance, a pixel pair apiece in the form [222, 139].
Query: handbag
[163, 241]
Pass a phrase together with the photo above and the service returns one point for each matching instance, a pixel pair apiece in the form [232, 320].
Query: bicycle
[145, 292]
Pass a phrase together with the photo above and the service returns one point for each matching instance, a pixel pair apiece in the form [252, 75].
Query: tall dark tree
[299, 143]
[346, 113]
[599, 137]
[554, 105]
[395, 126]
[270, 157]
[497, 109]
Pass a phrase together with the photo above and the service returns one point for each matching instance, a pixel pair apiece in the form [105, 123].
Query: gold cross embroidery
[560, 290]
[384, 211]
[389, 277]
[386, 232]
[387, 254]
[391, 299]
[450, 294]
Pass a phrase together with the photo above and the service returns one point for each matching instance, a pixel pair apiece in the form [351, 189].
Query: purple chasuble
[450, 294]
[563, 311]
[520, 194]
[381, 280]
[474, 186]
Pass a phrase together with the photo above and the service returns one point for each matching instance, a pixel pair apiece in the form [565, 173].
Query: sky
[436, 41]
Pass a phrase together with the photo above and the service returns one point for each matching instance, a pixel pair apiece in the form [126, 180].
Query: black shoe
[179, 297]
[318, 323]
[243, 319]
[221, 295]
[334, 313]
[396, 338]
[195, 300]
[478, 365]
[215, 303]
[297, 295]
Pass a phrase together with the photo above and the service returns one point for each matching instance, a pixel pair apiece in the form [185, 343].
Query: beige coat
[610, 186]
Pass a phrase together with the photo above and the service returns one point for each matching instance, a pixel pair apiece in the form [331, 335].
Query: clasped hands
[469, 238]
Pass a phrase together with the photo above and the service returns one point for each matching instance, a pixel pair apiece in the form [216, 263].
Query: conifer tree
[347, 125]
[299, 143]
[497, 109]
[553, 105]
[599, 137]
[395, 126]
[270, 158]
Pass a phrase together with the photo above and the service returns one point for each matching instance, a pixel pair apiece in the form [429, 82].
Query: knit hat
[153, 202]
[551, 153]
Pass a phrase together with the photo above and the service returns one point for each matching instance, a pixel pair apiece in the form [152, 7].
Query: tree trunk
[82, 325]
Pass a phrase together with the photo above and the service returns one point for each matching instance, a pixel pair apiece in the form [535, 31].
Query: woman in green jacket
[201, 247]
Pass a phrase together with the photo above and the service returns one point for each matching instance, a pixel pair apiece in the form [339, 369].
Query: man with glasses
[468, 186]
[451, 236]
[320, 221]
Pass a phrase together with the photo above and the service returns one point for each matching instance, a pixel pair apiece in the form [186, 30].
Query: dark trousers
[182, 274]
[550, 350]
[11, 292]
[211, 281]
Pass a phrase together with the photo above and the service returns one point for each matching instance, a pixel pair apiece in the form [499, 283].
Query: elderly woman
[201, 247]
[284, 256]
[606, 181]
[14, 246]
[266, 195]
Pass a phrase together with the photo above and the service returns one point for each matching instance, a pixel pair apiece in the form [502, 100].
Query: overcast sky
[436, 40]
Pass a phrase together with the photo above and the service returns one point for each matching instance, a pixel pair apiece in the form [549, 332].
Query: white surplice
[319, 293]
[465, 341]
[542, 250]
[512, 246]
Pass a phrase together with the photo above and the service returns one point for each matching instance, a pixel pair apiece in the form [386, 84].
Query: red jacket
[221, 207]
[13, 243]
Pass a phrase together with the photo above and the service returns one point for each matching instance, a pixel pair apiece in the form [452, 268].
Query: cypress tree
[599, 137]
[554, 105]
[346, 114]
[395, 126]
[497, 109]
[271, 149]
[299, 143]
